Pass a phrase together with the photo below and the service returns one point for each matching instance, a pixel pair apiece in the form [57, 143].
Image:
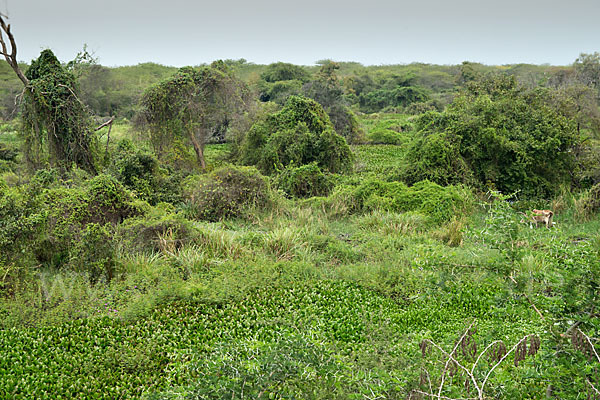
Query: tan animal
[540, 217]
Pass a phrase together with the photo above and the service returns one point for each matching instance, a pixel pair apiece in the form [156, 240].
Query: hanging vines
[56, 124]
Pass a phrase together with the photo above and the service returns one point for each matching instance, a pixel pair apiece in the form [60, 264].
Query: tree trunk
[199, 149]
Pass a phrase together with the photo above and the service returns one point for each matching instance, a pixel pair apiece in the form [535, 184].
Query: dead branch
[592, 386]
[11, 58]
[109, 122]
[589, 340]
[451, 358]
[501, 360]
[528, 299]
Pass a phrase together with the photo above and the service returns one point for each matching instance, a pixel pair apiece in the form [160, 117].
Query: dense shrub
[158, 230]
[588, 203]
[304, 181]
[95, 252]
[439, 203]
[397, 97]
[8, 153]
[140, 172]
[22, 216]
[227, 192]
[436, 157]
[103, 201]
[495, 135]
[299, 134]
[385, 136]
[280, 81]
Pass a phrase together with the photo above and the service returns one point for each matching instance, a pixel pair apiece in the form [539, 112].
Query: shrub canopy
[299, 134]
[495, 135]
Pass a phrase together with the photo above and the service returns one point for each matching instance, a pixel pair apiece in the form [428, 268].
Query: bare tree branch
[500, 361]
[109, 122]
[528, 299]
[592, 386]
[587, 338]
[11, 58]
[451, 358]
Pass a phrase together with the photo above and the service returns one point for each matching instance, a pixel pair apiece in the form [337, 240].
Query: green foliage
[278, 92]
[281, 80]
[102, 203]
[304, 181]
[56, 122]
[140, 172]
[299, 134]
[159, 229]
[386, 98]
[588, 203]
[22, 217]
[326, 89]
[497, 135]
[387, 128]
[94, 253]
[190, 106]
[229, 192]
[437, 202]
[284, 72]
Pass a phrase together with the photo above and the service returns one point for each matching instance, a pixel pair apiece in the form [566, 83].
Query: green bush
[8, 153]
[22, 217]
[140, 172]
[228, 192]
[495, 135]
[158, 230]
[94, 252]
[428, 198]
[304, 181]
[299, 134]
[385, 136]
[103, 200]
[108, 201]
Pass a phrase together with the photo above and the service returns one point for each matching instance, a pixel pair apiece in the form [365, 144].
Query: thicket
[304, 181]
[299, 134]
[142, 173]
[227, 192]
[495, 135]
[437, 202]
[280, 81]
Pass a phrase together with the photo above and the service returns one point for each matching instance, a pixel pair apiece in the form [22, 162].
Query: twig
[593, 387]
[483, 352]
[528, 299]
[451, 358]
[500, 361]
[443, 397]
[590, 343]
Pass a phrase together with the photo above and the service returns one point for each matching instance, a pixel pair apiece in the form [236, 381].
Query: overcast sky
[186, 32]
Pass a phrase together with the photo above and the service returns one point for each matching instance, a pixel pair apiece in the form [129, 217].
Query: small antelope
[539, 217]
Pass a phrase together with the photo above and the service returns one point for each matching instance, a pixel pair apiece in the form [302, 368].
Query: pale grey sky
[182, 32]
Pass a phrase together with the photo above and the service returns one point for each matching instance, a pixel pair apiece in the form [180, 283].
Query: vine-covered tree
[498, 135]
[300, 133]
[190, 106]
[56, 123]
